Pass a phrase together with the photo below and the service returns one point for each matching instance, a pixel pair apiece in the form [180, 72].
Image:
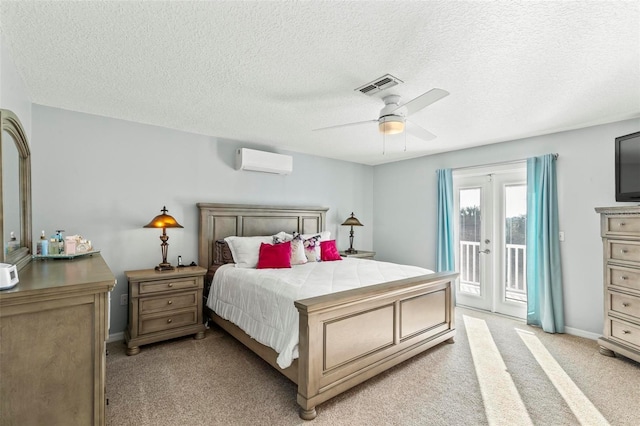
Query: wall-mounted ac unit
[261, 161]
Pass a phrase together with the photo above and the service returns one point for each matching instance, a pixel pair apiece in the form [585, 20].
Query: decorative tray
[65, 256]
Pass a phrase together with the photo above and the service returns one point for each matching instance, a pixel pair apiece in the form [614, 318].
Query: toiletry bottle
[42, 248]
[13, 244]
[53, 246]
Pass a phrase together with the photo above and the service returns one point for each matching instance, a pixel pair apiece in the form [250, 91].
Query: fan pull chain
[384, 143]
[405, 140]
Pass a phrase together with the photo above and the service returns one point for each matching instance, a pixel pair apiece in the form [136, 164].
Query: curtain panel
[445, 255]
[545, 305]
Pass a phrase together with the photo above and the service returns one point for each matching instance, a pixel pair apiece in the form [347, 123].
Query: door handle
[486, 251]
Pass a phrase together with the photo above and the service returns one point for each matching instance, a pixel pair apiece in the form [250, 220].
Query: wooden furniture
[393, 321]
[15, 189]
[620, 228]
[53, 331]
[164, 305]
[361, 254]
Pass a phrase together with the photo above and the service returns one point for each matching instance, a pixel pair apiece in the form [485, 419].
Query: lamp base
[164, 267]
[351, 251]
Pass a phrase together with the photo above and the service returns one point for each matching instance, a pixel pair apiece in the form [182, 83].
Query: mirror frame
[11, 124]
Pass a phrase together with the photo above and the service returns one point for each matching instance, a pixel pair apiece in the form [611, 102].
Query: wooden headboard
[218, 221]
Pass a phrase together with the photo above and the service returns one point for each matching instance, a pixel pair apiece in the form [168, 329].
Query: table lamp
[164, 221]
[351, 221]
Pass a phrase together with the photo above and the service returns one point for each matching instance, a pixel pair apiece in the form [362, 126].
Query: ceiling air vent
[379, 84]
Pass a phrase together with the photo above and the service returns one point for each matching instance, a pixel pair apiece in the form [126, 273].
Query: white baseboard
[581, 333]
[116, 337]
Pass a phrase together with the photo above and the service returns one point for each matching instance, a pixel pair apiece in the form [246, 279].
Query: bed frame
[346, 337]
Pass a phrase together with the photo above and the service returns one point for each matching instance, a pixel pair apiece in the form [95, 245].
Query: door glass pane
[515, 287]
[470, 240]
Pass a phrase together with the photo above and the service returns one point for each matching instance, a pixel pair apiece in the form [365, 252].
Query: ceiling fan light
[391, 126]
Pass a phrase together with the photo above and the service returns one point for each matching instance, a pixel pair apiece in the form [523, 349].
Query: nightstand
[164, 305]
[361, 254]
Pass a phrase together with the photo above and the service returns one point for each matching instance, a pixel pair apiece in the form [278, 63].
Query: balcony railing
[515, 274]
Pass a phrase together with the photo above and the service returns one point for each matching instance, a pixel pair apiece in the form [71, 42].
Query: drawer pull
[624, 278]
[626, 332]
[170, 302]
[169, 321]
[170, 284]
[624, 251]
[626, 304]
[622, 224]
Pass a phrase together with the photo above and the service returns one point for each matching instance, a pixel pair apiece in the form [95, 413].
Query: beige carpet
[216, 381]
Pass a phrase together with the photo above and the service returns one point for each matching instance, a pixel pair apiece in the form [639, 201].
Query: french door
[491, 236]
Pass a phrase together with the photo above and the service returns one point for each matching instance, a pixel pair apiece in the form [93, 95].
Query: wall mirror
[15, 191]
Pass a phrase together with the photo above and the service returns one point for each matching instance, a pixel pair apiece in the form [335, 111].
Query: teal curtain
[445, 254]
[545, 307]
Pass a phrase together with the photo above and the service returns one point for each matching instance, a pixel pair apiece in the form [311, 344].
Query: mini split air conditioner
[261, 161]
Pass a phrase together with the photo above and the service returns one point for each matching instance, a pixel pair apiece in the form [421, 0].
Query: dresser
[164, 305]
[620, 230]
[53, 330]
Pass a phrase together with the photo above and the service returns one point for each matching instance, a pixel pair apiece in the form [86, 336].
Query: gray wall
[405, 204]
[105, 178]
[13, 94]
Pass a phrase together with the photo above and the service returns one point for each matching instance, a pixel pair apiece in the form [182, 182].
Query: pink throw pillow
[274, 256]
[329, 251]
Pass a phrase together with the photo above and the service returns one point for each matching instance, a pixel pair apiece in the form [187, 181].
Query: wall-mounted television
[628, 167]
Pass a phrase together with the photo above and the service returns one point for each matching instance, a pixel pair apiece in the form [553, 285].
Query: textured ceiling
[267, 73]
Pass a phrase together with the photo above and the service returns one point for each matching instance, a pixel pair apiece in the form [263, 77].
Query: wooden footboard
[349, 337]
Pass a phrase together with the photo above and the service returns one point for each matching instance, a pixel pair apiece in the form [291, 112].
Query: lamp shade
[391, 125]
[163, 221]
[352, 221]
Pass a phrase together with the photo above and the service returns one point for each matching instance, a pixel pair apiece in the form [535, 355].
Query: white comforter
[260, 301]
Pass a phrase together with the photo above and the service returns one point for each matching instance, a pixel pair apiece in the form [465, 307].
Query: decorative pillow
[298, 256]
[312, 248]
[245, 250]
[324, 235]
[281, 237]
[274, 255]
[329, 251]
[222, 253]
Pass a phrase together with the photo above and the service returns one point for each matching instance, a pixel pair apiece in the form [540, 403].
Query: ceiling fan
[393, 117]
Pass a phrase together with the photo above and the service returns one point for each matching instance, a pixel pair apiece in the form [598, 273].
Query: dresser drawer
[148, 287]
[153, 304]
[626, 251]
[621, 225]
[625, 332]
[623, 277]
[625, 304]
[168, 320]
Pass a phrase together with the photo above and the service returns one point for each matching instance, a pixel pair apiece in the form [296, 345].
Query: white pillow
[245, 250]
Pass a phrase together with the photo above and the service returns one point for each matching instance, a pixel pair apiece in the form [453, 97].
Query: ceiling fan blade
[423, 100]
[418, 131]
[346, 125]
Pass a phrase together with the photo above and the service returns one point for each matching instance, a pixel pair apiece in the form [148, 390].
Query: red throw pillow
[329, 251]
[274, 256]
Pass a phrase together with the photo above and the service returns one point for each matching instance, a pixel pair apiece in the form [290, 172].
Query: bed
[394, 320]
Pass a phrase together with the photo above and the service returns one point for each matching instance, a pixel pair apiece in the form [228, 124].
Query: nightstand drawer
[623, 277]
[163, 303]
[168, 320]
[147, 287]
[626, 332]
[624, 250]
[625, 304]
